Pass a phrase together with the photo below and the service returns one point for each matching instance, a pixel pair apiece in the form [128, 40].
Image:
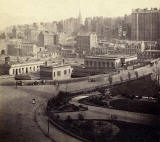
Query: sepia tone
[79, 71]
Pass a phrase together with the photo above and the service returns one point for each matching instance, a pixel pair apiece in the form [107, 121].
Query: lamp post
[66, 86]
[16, 84]
[48, 125]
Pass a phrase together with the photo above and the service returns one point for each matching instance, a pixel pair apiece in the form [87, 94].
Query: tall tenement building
[145, 24]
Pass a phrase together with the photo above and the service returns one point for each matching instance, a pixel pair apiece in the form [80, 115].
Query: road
[94, 112]
[17, 115]
[17, 111]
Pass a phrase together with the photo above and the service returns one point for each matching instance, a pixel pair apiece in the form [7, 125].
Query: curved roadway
[17, 122]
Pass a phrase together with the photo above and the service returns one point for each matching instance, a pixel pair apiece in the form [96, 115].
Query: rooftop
[85, 34]
[25, 62]
[110, 57]
[55, 65]
[152, 50]
[145, 10]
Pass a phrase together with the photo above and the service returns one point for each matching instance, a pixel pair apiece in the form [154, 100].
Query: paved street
[17, 111]
[17, 116]
[106, 113]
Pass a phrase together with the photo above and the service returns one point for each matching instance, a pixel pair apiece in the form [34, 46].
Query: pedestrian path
[110, 114]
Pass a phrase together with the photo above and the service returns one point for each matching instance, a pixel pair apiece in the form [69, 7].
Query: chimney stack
[7, 60]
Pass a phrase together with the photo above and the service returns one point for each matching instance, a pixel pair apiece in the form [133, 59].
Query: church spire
[80, 17]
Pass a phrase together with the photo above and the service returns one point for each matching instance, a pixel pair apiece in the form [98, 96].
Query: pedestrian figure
[16, 84]
[33, 101]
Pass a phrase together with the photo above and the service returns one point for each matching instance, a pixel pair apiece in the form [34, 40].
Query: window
[26, 70]
[90, 63]
[13, 71]
[54, 74]
[69, 70]
[58, 73]
[103, 64]
[34, 68]
[16, 71]
[107, 64]
[65, 71]
[99, 64]
[95, 63]
[30, 68]
[86, 63]
[112, 64]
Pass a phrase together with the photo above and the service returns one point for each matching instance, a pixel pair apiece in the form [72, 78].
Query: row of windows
[59, 72]
[100, 64]
[24, 70]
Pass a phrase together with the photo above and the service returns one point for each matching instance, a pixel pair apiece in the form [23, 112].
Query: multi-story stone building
[49, 39]
[85, 42]
[152, 51]
[3, 46]
[106, 63]
[28, 49]
[133, 48]
[68, 51]
[14, 46]
[145, 24]
[102, 62]
[40, 39]
[18, 47]
[14, 32]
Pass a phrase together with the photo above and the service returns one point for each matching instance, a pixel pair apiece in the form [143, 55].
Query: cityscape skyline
[25, 12]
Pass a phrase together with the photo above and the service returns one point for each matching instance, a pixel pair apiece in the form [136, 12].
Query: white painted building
[24, 68]
[55, 72]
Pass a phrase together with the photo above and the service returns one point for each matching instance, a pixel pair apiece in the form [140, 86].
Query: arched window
[22, 70]
[103, 64]
[19, 70]
[99, 64]
[16, 71]
[26, 69]
[65, 72]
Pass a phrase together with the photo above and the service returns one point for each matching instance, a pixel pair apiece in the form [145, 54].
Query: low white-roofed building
[55, 72]
[21, 67]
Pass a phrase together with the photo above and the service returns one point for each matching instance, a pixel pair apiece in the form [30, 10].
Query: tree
[68, 121]
[136, 73]
[3, 36]
[121, 79]
[80, 117]
[129, 75]
[58, 117]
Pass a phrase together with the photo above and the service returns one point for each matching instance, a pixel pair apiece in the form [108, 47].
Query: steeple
[80, 17]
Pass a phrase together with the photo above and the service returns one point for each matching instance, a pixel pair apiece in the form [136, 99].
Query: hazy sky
[27, 11]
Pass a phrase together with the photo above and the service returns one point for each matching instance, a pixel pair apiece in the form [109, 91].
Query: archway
[26, 70]
[16, 71]
[3, 52]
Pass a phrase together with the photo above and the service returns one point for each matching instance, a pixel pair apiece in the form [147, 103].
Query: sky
[29, 11]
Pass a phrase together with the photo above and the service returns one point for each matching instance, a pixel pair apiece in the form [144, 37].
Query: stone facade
[24, 68]
[85, 42]
[55, 72]
[145, 24]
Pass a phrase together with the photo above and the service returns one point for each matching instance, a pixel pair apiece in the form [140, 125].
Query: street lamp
[48, 125]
